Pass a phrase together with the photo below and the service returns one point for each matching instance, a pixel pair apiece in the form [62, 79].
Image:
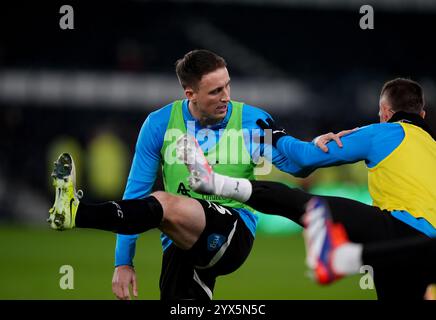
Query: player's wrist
[124, 266]
[277, 136]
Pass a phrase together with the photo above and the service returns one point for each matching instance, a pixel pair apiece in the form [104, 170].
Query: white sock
[238, 189]
[347, 259]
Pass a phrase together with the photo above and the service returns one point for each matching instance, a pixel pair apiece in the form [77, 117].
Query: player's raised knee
[168, 202]
[162, 196]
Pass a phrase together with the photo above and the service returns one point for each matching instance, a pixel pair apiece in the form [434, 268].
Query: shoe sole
[64, 167]
[62, 174]
[198, 166]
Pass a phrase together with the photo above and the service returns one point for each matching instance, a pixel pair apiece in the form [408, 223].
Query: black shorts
[221, 249]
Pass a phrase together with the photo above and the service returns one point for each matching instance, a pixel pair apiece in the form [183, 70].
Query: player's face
[210, 100]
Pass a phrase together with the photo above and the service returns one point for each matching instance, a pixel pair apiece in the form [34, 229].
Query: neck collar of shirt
[220, 125]
[412, 118]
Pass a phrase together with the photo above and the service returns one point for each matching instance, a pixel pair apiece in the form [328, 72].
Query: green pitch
[31, 260]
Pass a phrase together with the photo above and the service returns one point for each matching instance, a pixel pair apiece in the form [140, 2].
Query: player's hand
[322, 140]
[124, 276]
[277, 132]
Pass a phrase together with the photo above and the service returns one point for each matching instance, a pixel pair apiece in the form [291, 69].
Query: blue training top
[147, 160]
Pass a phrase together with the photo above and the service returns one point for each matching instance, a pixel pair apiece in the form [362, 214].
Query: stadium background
[88, 90]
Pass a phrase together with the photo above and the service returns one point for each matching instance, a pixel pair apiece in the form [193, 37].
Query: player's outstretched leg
[203, 179]
[63, 213]
[121, 216]
[322, 239]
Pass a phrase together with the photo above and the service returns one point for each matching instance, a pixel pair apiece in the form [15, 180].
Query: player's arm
[356, 146]
[140, 182]
[268, 149]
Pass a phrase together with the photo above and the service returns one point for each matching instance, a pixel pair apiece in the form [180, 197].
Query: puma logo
[237, 186]
[277, 131]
